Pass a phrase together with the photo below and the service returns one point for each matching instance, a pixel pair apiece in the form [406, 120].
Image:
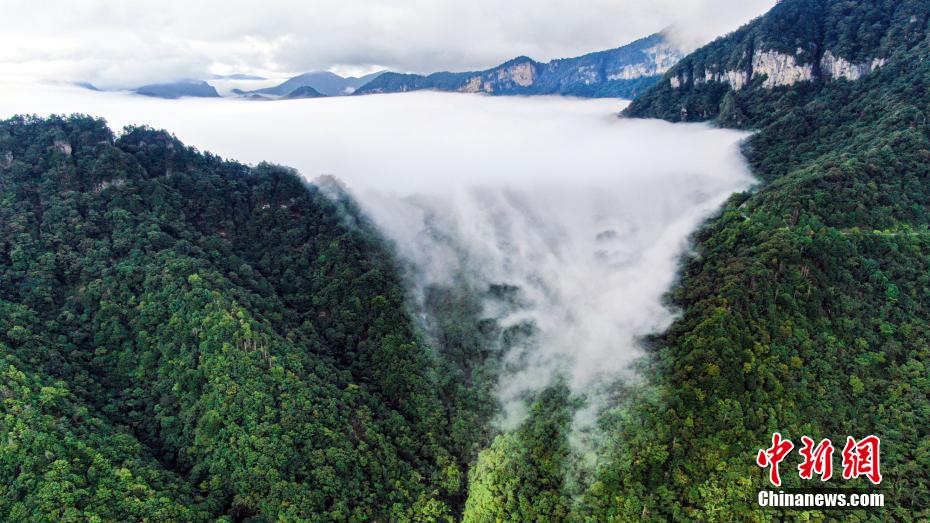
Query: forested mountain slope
[185, 338]
[805, 309]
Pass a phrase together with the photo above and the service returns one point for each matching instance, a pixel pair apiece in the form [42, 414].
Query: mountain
[184, 338]
[622, 72]
[801, 45]
[325, 82]
[804, 308]
[178, 89]
[304, 92]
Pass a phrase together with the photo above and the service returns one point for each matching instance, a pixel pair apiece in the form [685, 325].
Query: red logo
[774, 455]
[816, 460]
[860, 458]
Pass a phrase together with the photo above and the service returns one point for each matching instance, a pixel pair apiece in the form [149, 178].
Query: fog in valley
[586, 214]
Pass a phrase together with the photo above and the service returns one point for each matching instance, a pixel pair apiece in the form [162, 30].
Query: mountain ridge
[620, 72]
[188, 338]
[180, 89]
[324, 82]
[803, 42]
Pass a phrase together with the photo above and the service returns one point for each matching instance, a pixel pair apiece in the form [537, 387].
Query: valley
[596, 300]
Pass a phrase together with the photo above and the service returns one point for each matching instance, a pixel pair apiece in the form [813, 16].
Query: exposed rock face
[781, 69]
[520, 74]
[515, 75]
[473, 85]
[512, 75]
[63, 147]
[116, 182]
[661, 58]
[736, 78]
[837, 67]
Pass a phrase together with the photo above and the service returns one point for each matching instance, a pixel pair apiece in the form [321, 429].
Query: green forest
[807, 310]
[185, 338]
[188, 338]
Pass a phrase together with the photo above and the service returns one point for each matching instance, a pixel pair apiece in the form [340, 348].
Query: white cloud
[127, 43]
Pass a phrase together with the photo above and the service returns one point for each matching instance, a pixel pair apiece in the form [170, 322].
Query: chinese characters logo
[859, 458]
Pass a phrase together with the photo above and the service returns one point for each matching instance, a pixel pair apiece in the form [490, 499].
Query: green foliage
[61, 463]
[521, 477]
[213, 339]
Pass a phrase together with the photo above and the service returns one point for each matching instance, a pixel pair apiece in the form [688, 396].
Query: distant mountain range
[621, 72]
[324, 82]
[180, 89]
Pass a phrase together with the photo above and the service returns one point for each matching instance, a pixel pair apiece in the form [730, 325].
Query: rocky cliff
[777, 69]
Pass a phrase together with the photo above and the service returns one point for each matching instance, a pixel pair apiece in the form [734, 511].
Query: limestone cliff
[780, 69]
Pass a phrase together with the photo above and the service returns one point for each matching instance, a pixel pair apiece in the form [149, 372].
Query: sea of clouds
[588, 214]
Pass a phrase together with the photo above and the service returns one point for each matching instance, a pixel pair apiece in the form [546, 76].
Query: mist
[587, 214]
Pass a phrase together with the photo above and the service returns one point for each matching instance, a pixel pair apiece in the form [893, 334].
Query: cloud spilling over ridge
[592, 252]
[591, 262]
[587, 214]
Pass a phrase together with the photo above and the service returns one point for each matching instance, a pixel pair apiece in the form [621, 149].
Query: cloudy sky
[126, 43]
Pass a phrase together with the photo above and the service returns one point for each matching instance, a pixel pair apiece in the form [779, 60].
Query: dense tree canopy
[806, 308]
[185, 337]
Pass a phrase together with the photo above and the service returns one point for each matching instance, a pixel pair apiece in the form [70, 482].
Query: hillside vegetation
[805, 310]
[184, 338]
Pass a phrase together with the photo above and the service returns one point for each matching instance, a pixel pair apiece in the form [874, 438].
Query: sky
[120, 44]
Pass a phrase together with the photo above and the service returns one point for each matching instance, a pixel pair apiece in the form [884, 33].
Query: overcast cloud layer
[124, 44]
